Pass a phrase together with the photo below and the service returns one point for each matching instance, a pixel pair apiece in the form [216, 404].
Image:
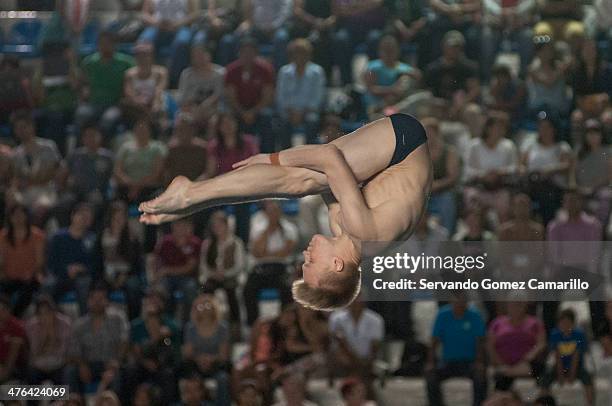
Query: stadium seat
[23, 38]
[89, 38]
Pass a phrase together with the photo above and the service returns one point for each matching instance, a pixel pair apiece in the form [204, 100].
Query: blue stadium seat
[89, 38]
[23, 38]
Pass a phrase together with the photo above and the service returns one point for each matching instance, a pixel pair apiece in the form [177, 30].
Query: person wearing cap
[145, 83]
[453, 77]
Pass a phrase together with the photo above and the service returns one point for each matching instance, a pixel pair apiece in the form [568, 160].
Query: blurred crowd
[515, 99]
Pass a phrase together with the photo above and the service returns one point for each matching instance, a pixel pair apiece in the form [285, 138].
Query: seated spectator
[249, 90]
[146, 395]
[187, 153]
[22, 258]
[200, 88]
[492, 160]
[569, 344]
[178, 257]
[409, 25]
[106, 398]
[558, 15]
[121, 257]
[169, 24]
[460, 330]
[36, 162]
[546, 163]
[594, 171]
[507, 93]
[358, 22]
[145, 84]
[267, 22]
[248, 394]
[206, 345]
[353, 393]
[99, 343]
[102, 85]
[14, 339]
[272, 243]
[71, 257]
[222, 260]
[294, 392]
[475, 227]
[48, 340]
[228, 146]
[155, 345]
[357, 333]
[387, 79]
[446, 163]
[545, 401]
[453, 77]
[516, 344]
[193, 392]
[300, 94]
[521, 227]
[16, 93]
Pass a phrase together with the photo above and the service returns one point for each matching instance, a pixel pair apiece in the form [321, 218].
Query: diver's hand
[172, 200]
[253, 160]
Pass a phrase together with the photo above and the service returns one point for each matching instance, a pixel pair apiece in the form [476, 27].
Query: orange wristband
[275, 159]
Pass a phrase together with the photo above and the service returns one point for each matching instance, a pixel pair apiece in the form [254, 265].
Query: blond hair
[338, 291]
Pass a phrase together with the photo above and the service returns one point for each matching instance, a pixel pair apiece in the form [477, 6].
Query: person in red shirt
[178, 258]
[249, 84]
[12, 343]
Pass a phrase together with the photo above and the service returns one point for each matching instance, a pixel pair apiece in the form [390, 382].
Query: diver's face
[319, 258]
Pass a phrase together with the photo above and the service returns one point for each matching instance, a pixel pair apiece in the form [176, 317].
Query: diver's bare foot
[173, 199]
[156, 219]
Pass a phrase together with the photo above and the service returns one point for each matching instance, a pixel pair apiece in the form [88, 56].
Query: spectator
[48, 341]
[294, 392]
[409, 25]
[604, 17]
[168, 24]
[193, 392]
[546, 163]
[187, 153]
[207, 345]
[272, 242]
[492, 159]
[460, 331]
[516, 343]
[446, 162]
[228, 146]
[22, 258]
[474, 227]
[200, 86]
[100, 341]
[178, 257]
[71, 257]
[14, 339]
[453, 77]
[507, 93]
[249, 89]
[222, 260]
[36, 162]
[559, 15]
[358, 22]
[102, 85]
[145, 84]
[122, 257]
[16, 92]
[545, 401]
[248, 394]
[357, 334]
[354, 393]
[569, 344]
[107, 398]
[146, 395]
[594, 170]
[387, 79]
[521, 227]
[300, 94]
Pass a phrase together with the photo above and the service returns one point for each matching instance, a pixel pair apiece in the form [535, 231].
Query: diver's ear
[338, 264]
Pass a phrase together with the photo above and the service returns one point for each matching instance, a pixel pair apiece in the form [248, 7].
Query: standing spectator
[357, 333]
[249, 88]
[491, 160]
[272, 242]
[207, 345]
[387, 79]
[460, 331]
[569, 344]
[144, 84]
[36, 162]
[169, 24]
[516, 344]
[22, 258]
[228, 146]
[446, 167]
[102, 85]
[546, 163]
[521, 227]
[300, 94]
[14, 343]
[99, 345]
[71, 261]
[200, 88]
[48, 340]
[358, 22]
[453, 77]
[222, 260]
[178, 257]
[507, 93]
